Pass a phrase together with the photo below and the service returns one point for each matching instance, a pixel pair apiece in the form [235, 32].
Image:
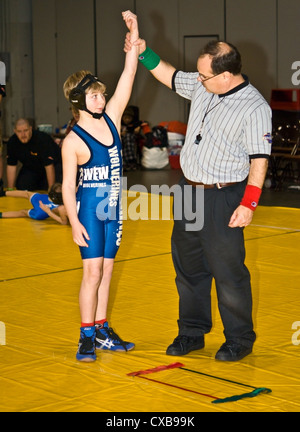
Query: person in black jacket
[39, 155]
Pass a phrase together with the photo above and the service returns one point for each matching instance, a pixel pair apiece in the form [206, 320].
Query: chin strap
[95, 115]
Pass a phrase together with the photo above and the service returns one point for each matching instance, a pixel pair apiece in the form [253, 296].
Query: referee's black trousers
[214, 251]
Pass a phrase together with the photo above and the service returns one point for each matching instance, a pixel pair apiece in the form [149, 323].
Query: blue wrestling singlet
[99, 194]
[37, 213]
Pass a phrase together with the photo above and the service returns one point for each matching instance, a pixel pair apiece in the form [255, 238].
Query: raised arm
[119, 100]
[159, 68]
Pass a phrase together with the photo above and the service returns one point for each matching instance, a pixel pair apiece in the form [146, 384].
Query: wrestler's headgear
[77, 95]
[56, 197]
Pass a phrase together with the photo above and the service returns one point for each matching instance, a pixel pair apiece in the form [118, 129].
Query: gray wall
[16, 52]
[68, 35]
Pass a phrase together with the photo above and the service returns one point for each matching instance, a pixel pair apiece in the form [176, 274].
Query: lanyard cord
[199, 136]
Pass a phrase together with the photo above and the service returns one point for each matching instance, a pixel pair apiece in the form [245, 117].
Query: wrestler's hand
[80, 234]
[141, 43]
[44, 207]
[132, 24]
[241, 217]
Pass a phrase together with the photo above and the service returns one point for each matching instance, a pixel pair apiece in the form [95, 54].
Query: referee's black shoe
[232, 351]
[184, 344]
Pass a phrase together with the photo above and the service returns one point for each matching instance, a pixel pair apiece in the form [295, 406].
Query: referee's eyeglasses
[204, 78]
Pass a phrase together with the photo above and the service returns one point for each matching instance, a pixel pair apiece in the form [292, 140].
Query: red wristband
[251, 197]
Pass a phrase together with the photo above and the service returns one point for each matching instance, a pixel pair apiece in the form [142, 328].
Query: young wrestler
[44, 206]
[94, 211]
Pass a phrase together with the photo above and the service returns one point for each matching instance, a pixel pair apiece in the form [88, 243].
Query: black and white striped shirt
[237, 126]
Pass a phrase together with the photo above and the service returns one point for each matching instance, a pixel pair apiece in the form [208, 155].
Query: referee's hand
[241, 217]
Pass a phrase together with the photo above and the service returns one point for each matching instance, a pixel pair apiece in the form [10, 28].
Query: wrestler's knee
[92, 271]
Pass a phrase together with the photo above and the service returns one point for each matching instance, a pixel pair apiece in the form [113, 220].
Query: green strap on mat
[252, 394]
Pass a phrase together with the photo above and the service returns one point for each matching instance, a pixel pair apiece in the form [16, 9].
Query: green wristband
[149, 59]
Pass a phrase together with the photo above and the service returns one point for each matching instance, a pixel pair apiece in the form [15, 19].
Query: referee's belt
[209, 186]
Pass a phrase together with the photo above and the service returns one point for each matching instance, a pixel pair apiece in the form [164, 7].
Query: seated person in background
[39, 155]
[130, 134]
[44, 206]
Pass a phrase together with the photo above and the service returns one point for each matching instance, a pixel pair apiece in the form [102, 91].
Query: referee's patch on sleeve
[268, 137]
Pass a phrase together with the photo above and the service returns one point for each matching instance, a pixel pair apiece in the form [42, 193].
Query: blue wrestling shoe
[107, 339]
[86, 345]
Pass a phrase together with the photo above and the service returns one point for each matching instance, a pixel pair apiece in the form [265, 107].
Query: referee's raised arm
[159, 68]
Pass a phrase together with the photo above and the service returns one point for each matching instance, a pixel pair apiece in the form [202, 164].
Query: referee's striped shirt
[237, 127]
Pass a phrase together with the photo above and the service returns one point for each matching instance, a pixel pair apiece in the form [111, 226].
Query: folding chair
[285, 154]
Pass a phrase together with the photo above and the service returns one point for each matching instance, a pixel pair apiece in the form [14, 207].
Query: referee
[226, 152]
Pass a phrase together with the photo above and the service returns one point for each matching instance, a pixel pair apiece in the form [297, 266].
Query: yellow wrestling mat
[39, 323]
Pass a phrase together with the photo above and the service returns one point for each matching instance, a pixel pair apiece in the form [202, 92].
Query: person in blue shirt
[43, 205]
[91, 154]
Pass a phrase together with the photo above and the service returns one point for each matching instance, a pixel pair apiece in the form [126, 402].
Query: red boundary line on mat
[156, 369]
[177, 387]
[164, 367]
